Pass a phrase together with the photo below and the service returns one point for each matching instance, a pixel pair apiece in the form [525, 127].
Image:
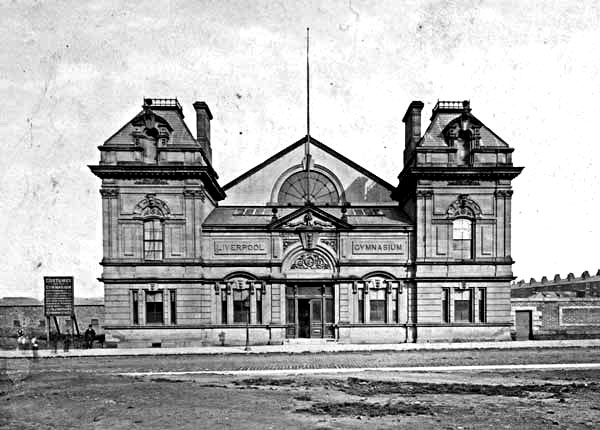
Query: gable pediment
[309, 218]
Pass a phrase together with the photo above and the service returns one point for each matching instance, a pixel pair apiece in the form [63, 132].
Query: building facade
[308, 244]
[557, 308]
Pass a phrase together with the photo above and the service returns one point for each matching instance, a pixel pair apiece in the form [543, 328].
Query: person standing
[89, 335]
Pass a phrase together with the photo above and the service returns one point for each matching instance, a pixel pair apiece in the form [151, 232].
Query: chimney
[412, 127]
[203, 117]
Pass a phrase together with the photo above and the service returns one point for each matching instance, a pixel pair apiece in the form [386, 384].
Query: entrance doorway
[309, 311]
[523, 325]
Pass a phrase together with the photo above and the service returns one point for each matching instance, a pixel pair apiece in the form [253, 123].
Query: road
[92, 393]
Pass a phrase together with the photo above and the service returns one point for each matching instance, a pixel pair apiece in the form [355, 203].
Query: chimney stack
[203, 118]
[412, 126]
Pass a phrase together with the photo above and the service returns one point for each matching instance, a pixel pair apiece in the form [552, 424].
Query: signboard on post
[58, 296]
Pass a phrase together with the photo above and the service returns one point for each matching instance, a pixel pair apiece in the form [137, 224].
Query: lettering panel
[378, 247]
[240, 247]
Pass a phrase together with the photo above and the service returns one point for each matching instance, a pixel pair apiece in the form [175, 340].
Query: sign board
[58, 296]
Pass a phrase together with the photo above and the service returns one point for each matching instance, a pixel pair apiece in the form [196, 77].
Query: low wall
[486, 332]
[372, 334]
[186, 337]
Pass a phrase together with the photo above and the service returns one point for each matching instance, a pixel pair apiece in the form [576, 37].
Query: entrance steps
[309, 341]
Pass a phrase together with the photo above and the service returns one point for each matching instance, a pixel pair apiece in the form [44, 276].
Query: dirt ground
[45, 397]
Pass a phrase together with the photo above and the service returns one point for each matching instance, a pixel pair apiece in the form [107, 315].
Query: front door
[523, 325]
[316, 318]
[304, 318]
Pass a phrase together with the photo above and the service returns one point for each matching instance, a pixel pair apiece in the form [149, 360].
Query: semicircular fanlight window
[318, 187]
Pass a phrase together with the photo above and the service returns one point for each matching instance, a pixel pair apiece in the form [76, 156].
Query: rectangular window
[95, 322]
[42, 323]
[223, 307]
[481, 305]
[153, 240]
[135, 308]
[361, 307]
[446, 305]
[240, 306]
[329, 313]
[16, 323]
[154, 307]
[377, 313]
[463, 306]
[290, 311]
[258, 296]
[173, 306]
[462, 235]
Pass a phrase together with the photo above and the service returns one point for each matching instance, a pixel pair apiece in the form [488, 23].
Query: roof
[261, 216]
[319, 145]
[433, 135]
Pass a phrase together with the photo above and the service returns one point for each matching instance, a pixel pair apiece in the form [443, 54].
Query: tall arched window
[153, 239]
[317, 187]
[462, 238]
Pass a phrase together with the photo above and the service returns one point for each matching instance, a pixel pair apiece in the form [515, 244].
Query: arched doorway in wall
[309, 294]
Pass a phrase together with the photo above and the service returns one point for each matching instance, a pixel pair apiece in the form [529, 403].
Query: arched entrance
[310, 310]
[310, 304]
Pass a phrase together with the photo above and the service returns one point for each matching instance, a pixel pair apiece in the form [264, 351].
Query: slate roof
[230, 216]
[433, 135]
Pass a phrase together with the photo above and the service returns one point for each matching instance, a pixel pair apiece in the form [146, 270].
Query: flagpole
[307, 145]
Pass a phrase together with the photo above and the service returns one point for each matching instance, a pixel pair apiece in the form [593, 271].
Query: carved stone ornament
[109, 193]
[310, 261]
[463, 207]
[504, 193]
[198, 194]
[151, 206]
[287, 242]
[332, 243]
[151, 181]
[308, 221]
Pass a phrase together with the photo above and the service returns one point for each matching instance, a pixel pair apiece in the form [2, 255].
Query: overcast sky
[71, 75]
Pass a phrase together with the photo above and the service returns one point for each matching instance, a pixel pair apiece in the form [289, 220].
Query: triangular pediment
[309, 218]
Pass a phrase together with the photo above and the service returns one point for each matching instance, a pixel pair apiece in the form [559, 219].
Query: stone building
[557, 308]
[307, 244]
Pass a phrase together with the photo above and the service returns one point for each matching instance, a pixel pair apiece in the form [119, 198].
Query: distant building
[557, 308]
[27, 314]
[307, 244]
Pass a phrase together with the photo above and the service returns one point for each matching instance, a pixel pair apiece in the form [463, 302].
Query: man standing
[89, 335]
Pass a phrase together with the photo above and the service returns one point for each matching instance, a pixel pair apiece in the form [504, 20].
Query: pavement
[299, 348]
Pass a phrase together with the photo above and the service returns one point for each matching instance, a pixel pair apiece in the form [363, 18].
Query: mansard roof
[319, 145]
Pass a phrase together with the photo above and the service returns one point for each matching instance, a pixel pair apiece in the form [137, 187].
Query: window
[446, 305]
[258, 296]
[94, 322]
[223, 307]
[154, 307]
[153, 240]
[240, 306]
[42, 324]
[361, 306]
[290, 311]
[462, 232]
[16, 323]
[377, 302]
[134, 308]
[481, 305]
[295, 189]
[463, 306]
[173, 306]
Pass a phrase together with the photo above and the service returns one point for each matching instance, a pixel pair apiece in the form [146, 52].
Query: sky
[72, 73]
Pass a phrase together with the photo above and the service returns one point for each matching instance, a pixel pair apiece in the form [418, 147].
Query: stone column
[110, 221]
[366, 304]
[252, 292]
[229, 292]
[217, 303]
[266, 301]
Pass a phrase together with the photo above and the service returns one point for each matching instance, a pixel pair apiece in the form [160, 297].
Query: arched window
[462, 238]
[317, 187]
[153, 239]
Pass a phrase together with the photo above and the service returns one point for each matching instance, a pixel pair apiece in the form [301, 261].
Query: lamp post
[247, 307]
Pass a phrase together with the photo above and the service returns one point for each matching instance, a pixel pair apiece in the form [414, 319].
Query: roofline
[319, 145]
